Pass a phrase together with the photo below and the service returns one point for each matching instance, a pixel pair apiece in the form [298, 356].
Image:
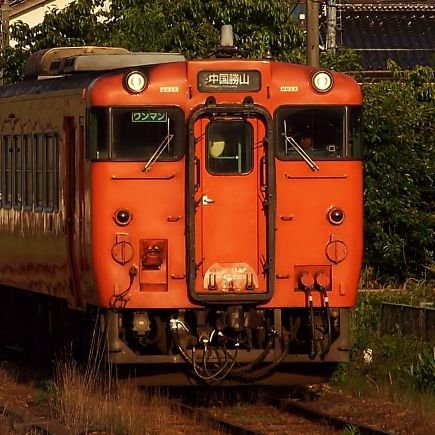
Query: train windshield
[136, 134]
[317, 132]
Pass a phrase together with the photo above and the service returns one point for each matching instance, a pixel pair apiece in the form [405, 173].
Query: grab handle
[197, 169]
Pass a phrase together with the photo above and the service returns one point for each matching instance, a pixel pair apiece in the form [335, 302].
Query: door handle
[206, 200]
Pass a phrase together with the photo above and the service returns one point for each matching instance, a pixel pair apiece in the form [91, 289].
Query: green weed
[390, 364]
[351, 430]
[423, 372]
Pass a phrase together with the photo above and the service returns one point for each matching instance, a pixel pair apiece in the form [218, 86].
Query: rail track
[274, 415]
[304, 410]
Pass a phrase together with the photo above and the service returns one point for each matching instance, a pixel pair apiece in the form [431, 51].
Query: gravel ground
[396, 418]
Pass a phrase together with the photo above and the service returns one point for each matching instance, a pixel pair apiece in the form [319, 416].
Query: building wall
[32, 11]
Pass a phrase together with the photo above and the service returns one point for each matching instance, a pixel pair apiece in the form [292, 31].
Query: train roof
[67, 68]
[68, 60]
[34, 87]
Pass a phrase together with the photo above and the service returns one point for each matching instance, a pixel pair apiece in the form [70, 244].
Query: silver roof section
[68, 60]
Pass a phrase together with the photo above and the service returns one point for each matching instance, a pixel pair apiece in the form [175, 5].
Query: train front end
[226, 218]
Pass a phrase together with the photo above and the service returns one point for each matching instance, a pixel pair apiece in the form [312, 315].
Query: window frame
[7, 158]
[42, 181]
[27, 155]
[51, 154]
[38, 172]
[17, 185]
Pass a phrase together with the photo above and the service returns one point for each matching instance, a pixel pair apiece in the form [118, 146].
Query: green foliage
[399, 174]
[192, 28]
[259, 27]
[398, 362]
[77, 24]
[423, 372]
[366, 316]
[12, 64]
[137, 26]
[345, 60]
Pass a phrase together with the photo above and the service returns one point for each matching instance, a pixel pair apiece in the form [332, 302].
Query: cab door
[229, 219]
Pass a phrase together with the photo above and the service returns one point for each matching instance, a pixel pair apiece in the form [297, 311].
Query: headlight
[322, 81]
[135, 81]
[336, 216]
[122, 217]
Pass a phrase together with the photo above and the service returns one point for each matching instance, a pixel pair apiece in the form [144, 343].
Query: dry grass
[91, 400]
[87, 402]
[6, 379]
[5, 382]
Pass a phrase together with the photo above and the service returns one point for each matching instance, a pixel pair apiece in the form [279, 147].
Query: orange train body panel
[126, 186]
[303, 231]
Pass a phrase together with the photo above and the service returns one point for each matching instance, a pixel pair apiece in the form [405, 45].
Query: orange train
[205, 214]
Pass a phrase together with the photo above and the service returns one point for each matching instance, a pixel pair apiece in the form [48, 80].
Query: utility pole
[313, 32]
[4, 35]
[331, 32]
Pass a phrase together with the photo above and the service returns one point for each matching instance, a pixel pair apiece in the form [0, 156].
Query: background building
[381, 30]
[32, 11]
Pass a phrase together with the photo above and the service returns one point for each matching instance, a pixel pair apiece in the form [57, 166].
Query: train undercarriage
[233, 345]
[236, 344]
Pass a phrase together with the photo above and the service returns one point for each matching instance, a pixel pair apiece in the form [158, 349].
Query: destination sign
[149, 116]
[229, 81]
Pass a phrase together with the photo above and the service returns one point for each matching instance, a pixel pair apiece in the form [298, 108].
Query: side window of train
[98, 133]
[7, 171]
[229, 147]
[39, 171]
[11, 171]
[142, 134]
[319, 131]
[51, 168]
[17, 172]
[27, 172]
[46, 166]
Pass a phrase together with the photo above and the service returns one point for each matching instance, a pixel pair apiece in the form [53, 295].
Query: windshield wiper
[307, 159]
[157, 153]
